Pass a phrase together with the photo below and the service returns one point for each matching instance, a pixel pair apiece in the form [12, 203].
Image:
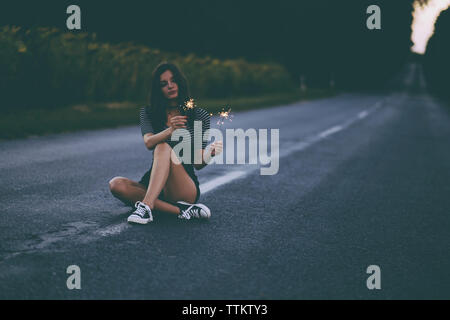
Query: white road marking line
[73, 229]
[363, 114]
[216, 182]
[330, 131]
[112, 230]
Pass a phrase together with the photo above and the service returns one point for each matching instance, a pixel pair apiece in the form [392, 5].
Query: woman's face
[169, 87]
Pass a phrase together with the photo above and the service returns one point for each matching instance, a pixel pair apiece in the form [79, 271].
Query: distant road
[363, 180]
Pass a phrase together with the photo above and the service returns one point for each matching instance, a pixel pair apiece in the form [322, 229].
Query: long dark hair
[158, 104]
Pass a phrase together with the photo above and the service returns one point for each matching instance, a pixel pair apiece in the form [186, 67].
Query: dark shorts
[190, 171]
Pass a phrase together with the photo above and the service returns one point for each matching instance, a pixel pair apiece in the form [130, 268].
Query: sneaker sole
[205, 208]
[138, 220]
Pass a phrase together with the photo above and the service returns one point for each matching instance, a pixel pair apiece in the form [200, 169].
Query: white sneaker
[197, 210]
[142, 214]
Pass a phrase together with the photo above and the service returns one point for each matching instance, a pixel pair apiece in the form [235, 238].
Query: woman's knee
[162, 147]
[118, 185]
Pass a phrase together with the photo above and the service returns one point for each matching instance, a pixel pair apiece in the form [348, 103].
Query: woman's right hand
[177, 122]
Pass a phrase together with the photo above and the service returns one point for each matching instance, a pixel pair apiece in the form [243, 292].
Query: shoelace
[191, 212]
[140, 209]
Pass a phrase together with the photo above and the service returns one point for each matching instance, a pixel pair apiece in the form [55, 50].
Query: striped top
[199, 115]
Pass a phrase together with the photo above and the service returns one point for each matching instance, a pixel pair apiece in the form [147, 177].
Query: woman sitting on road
[170, 185]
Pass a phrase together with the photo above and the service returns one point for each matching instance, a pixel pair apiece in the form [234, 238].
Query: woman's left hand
[216, 148]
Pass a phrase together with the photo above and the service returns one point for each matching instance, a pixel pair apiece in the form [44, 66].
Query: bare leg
[160, 173]
[168, 174]
[129, 191]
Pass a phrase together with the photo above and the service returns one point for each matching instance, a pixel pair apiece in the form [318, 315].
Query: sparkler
[189, 105]
[224, 115]
[188, 108]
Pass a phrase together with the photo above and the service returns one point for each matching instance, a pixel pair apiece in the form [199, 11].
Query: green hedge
[44, 68]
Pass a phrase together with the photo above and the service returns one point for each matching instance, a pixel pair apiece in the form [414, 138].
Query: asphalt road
[363, 180]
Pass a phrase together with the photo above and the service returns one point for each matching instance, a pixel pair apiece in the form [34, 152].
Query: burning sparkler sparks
[224, 115]
[189, 105]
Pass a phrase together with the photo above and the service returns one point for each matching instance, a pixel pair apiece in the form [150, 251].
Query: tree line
[44, 67]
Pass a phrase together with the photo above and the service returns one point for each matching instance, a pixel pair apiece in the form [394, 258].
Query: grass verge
[109, 115]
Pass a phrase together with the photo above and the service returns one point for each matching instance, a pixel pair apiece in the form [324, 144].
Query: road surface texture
[363, 180]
